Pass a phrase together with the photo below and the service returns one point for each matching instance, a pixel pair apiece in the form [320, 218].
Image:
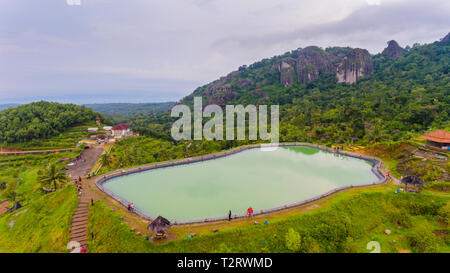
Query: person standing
[229, 215]
[250, 212]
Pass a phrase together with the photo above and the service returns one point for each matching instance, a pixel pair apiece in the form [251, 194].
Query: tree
[10, 192]
[52, 176]
[105, 160]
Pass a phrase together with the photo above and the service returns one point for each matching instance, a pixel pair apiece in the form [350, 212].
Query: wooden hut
[159, 225]
[16, 206]
[415, 182]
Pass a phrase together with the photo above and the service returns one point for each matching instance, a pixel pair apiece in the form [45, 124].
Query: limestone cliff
[356, 63]
[311, 62]
[287, 71]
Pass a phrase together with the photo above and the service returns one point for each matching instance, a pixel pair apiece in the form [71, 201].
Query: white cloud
[374, 2]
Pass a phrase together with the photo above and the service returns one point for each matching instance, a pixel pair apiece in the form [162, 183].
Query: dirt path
[85, 162]
[79, 226]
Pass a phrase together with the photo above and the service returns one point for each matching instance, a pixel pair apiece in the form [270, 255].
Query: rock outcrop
[348, 65]
[219, 94]
[311, 62]
[356, 63]
[393, 51]
[287, 72]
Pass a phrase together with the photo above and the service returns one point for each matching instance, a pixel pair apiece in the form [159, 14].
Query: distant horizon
[20, 101]
[147, 102]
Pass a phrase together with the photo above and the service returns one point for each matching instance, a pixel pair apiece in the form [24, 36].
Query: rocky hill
[300, 67]
[393, 51]
[345, 95]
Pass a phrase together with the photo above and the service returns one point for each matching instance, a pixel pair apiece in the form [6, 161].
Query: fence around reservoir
[102, 179]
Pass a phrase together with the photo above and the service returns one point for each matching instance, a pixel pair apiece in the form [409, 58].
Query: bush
[423, 239]
[439, 186]
[293, 240]
[401, 218]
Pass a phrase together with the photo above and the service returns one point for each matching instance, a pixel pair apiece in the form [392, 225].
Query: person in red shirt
[250, 212]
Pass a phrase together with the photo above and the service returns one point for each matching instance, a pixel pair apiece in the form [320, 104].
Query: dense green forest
[141, 150]
[403, 97]
[39, 120]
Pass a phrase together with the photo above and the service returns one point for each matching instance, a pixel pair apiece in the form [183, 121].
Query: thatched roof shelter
[15, 207]
[160, 224]
[412, 180]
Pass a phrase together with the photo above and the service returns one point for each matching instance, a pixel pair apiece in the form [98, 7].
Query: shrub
[439, 186]
[401, 218]
[423, 239]
[293, 240]
[349, 246]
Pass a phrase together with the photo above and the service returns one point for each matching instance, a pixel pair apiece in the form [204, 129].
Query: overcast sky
[160, 50]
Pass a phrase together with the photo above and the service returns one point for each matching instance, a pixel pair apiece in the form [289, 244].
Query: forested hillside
[396, 93]
[42, 119]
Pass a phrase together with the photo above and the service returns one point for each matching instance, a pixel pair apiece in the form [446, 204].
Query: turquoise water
[255, 178]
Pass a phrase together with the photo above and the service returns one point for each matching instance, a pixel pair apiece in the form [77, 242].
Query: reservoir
[253, 178]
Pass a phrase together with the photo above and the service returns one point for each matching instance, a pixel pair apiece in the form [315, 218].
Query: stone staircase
[79, 228]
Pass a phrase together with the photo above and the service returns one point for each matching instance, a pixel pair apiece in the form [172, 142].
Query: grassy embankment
[345, 223]
[43, 224]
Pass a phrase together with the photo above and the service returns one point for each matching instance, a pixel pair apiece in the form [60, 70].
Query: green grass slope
[419, 223]
[42, 226]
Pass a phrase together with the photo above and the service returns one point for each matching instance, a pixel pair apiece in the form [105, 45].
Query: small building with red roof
[439, 138]
[121, 130]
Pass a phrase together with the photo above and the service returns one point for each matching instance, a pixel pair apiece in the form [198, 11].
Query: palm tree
[52, 176]
[105, 160]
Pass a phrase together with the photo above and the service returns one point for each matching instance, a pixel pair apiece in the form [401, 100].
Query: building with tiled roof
[438, 138]
[121, 130]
